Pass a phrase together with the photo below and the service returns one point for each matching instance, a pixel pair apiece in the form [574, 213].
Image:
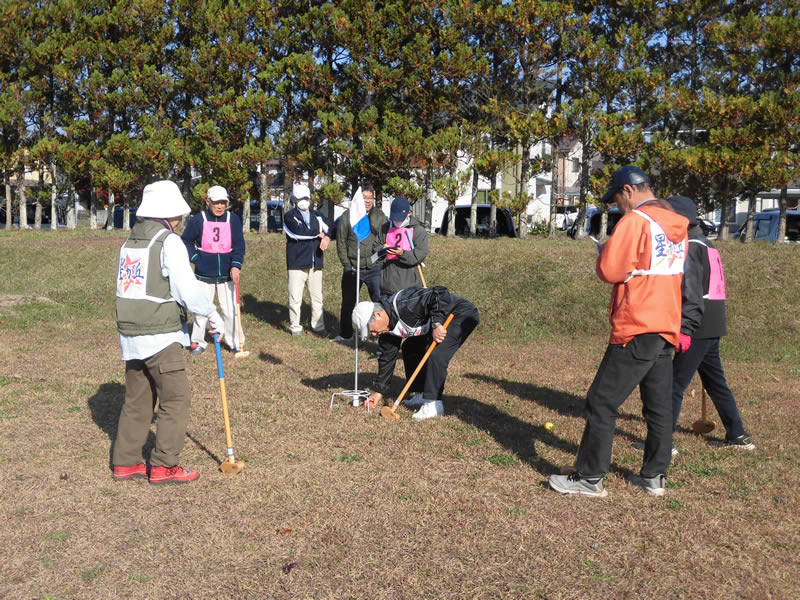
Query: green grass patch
[673, 504]
[55, 536]
[347, 458]
[501, 459]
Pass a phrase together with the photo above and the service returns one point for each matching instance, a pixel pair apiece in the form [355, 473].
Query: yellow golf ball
[549, 426]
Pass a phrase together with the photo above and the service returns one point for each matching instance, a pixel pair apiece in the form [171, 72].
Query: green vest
[144, 303]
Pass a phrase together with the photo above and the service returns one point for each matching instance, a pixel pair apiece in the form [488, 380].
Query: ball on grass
[549, 426]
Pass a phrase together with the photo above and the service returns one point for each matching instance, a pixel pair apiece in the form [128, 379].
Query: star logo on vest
[130, 273]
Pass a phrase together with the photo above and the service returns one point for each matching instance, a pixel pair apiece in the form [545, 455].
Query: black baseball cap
[629, 175]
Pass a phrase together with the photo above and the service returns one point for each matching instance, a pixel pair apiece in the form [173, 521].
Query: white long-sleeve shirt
[184, 288]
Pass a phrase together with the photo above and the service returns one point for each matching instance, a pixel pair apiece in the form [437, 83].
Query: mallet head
[231, 468]
[388, 413]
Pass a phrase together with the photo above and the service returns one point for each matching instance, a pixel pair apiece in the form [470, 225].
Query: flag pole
[355, 333]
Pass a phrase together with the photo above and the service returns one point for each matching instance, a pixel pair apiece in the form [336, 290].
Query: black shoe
[742, 442]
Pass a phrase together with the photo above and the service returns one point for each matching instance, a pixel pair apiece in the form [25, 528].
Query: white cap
[217, 193]
[362, 313]
[300, 191]
[162, 200]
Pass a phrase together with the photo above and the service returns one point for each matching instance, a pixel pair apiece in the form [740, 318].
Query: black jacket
[701, 317]
[214, 268]
[302, 241]
[415, 306]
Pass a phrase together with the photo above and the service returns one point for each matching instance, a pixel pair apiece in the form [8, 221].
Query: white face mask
[402, 223]
[303, 204]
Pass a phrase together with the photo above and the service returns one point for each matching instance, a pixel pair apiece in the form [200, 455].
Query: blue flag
[359, 220]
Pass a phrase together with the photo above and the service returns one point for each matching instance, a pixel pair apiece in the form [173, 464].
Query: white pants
[226, 298]
[298, 279]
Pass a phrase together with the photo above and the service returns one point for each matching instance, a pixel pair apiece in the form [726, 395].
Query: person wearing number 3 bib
[215, 242]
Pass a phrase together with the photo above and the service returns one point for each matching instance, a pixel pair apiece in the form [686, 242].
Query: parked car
[709, 228]
[565, 216]
[592, 222]
[119, 215]
[765, 226]
[505, 221]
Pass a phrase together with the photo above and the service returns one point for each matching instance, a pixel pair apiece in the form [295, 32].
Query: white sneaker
[431, 409]
[415, 401]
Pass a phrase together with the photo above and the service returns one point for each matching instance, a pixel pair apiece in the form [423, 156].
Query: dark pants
[371, 277]
[431, 378]
[645, 361]
[703, 357]
[164, 374]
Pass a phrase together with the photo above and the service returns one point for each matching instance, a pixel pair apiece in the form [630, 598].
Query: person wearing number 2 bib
[215, 242]
[406, 242]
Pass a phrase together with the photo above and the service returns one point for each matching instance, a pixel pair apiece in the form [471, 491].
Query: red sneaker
[135, 472]
[162, 475]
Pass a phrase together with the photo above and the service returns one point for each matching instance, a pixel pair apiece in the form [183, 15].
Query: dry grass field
[336, 504]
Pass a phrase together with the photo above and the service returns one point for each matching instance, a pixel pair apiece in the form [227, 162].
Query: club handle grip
[219, 356]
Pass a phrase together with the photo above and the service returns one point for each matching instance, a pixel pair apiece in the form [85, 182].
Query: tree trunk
[751, 210]
[429, 195]
[23, 201]
[554, 188]
[493, 207]
[53, 198]
[263, 201]
[93, 208]
[110, 212]
[9, 201]
[473, 210]
[126, 217]
[451, 219]
[782, 219]
[723, 217]
[523, 188]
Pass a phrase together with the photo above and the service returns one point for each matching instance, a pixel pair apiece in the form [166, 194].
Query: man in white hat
[155, 286]
[306, 239]
[215, 242]
[416, 316]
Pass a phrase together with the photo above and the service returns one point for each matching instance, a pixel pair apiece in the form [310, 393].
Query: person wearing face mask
[406, 242]
[307, 237]
[347, 247]
[215, 242]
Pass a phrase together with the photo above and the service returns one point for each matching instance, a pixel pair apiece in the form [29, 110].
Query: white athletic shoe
[416, 401]
[431, 409]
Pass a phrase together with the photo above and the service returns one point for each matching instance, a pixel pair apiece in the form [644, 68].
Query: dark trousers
[645, 361]
[703, 357]
[163, 374]
[431, 378]
[371, 277]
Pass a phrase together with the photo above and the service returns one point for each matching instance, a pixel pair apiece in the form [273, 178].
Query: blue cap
[400, 209]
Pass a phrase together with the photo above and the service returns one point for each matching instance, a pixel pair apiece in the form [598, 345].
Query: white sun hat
[217, 193]
[162, 200]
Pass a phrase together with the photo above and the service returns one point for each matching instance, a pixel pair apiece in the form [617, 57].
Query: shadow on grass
[336, 382]
[515, 435]
[266, 357]
[561, 402]
[204, 448]
[277, 315]
[105, 406]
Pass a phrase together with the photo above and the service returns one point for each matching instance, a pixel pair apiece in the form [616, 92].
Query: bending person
[416, 315]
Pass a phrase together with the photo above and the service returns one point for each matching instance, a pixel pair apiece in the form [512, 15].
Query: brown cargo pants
[164, 375]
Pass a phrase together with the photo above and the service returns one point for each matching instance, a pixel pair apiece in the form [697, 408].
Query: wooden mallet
[230, 465]
[388, 412]
[703, 425]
